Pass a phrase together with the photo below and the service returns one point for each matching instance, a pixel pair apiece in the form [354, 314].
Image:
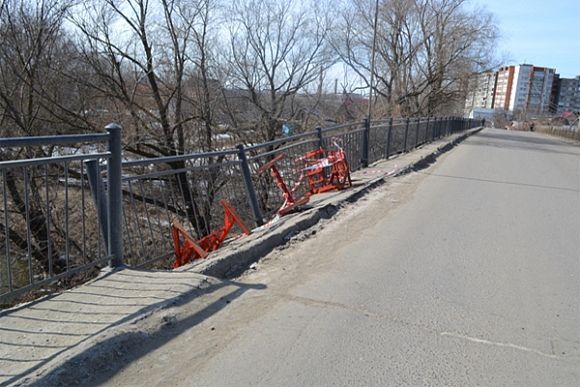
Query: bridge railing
[69, 204]
[49, 228]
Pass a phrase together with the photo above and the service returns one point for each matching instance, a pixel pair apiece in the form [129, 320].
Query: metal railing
[67, 208]
[49, 229]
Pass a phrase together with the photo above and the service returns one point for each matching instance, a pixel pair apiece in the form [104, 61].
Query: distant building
[481, 91]
[568, 99]
[503, 88]
[521, 88]
[525, 88]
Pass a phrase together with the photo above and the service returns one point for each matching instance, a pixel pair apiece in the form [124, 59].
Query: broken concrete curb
[234, 263]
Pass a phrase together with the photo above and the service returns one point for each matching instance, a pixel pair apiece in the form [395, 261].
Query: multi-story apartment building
[522, 88]
[481, 91]
[568, 99]
[503, 88]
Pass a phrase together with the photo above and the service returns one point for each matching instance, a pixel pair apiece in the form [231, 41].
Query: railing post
[433, 128]
[98, 193]
[115, 197]
[406, 134]
[365, 143]
[389, 135]
[252, 198]
[319, 135]
[427, 128]
[417, 127]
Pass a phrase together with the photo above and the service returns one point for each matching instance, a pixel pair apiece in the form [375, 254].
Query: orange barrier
[190, 249]
[315, 164]
[290, 203]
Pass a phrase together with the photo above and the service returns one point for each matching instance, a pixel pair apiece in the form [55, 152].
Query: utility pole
[373, 62]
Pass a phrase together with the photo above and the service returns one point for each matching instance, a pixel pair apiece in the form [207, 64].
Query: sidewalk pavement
[37, 337]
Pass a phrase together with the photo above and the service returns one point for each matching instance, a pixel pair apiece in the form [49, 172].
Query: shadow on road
[35, 335]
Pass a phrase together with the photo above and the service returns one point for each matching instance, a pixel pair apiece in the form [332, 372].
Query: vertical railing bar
[7, 231]
[196, 215]
[146, 212]
[136, 217]
[101, 242]
[129, 233]
[365, 144]
[249, 186]
[83, 212]
[389, 134]
[169, 197]
[191, 227]
[427, 130]
[179, 186]
[66, 218]
[406, 135]
[28, 231]
[48, 240]
[417, 130]
[207, 216]
[160, 221]
[175, 199]
[97, 190]
[320, 137]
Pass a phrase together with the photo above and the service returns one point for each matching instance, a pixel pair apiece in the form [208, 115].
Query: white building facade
[481, 91]
[522, 88]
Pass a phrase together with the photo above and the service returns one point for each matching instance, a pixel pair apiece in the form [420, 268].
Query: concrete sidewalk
[37, 337]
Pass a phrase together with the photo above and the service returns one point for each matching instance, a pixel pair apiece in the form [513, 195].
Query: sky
[544, 33]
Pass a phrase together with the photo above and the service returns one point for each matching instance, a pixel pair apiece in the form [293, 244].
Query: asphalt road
[465, 273]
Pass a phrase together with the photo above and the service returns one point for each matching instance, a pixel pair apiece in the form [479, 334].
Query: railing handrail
[57, 159]
[172, 159]
[281, 140]
[60, 139]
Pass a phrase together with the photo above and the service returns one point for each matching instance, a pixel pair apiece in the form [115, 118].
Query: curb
[235, 263]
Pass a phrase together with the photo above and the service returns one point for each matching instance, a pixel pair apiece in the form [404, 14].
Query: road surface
[464, 273]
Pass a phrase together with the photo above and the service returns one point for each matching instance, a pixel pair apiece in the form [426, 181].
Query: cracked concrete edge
[239, 260]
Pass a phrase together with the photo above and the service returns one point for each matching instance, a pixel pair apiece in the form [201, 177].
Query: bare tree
[34, 50]
[33, 101]
[151, 61]
[425, 49]
[276, 50]
[456, 43]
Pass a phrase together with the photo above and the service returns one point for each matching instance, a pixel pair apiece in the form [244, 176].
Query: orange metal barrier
[190, 249]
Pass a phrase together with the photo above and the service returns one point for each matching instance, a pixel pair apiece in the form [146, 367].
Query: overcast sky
[544, 33]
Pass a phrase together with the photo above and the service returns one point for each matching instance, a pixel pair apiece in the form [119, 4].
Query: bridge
[455, 263]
